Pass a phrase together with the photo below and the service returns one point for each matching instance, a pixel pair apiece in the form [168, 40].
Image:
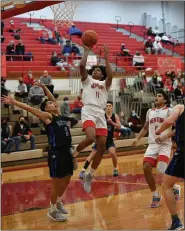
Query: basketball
[89, 38]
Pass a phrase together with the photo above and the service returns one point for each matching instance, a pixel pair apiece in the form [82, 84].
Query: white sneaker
[55, 215]
[177, 192]
[87, 178]
[61, 208]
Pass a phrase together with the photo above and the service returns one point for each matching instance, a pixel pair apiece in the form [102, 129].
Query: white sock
[91, 171]
[53, 207]
[75, 153]
[83, 169]
[58, 199]
[175, 186]
[155, 193]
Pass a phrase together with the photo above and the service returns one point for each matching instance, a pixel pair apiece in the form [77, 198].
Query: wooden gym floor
[115, 202]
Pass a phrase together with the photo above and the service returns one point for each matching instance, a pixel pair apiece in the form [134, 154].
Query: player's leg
[167, 187]
[149, 162]
[101, 145]
[112, 152]
[88, 161]
[163, 160]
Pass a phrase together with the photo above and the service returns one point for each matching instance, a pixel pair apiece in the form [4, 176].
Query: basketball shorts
[156, 153]
[176, 165]
[108, 145]
[60, 162]
[94, 117]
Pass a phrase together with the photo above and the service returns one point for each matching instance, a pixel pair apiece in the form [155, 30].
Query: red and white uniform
[94, 98]
[157, 152]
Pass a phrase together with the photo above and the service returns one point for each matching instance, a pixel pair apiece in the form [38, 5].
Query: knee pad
[161, 166]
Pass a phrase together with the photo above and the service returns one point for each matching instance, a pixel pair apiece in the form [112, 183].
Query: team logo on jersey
[61, 123]
[97, 85]
[156, 120]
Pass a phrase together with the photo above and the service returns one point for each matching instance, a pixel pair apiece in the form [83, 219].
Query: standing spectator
[36, 94]
[21, 90]
[77, 105]
[138, 60]
[10, 50]
[73, 30]
[158, 47]
[28, 80]
[6, 142]
[57, 36]
[134, 122]
[149, 48]
[22, 133]
[47, 81]
[20, 48]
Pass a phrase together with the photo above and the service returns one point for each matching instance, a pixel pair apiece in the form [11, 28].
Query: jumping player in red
[96, 87]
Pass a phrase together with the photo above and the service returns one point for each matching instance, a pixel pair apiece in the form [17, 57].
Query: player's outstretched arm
[44, 116]
[108, 80]
[47, 92]
[159, 139]
[83, 63]
[168, 122]
[117, 124]
[142, 133]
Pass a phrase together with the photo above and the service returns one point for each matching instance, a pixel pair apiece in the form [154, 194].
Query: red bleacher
[42, 52]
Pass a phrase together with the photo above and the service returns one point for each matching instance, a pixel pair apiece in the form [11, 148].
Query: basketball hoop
[63, 14]
[19, 3]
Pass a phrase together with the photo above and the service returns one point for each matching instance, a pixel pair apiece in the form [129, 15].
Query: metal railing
[130, 24]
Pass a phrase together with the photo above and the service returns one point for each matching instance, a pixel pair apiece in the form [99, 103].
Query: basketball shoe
[155, 201]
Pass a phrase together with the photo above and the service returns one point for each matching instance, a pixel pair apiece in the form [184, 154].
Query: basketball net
[63, 14]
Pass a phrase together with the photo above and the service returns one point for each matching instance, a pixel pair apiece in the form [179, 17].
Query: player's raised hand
[106, 51]
[135, 142]
[86, 49]
[7, 99]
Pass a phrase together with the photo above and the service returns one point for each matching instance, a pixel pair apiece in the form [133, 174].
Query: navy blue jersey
[58, 132]
[179, 136]
[110, 128]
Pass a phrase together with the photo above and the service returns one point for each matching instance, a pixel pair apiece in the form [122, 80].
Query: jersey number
[97, 94]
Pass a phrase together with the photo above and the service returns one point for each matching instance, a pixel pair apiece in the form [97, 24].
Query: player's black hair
[66, 98]
[103, 71]
[43, 105]
[110, 102]
[165, 96]
[21, 117]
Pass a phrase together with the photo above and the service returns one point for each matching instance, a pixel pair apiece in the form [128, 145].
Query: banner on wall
[165, 64]
[3, 65]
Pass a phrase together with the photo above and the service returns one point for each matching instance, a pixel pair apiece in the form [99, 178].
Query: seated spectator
[124, 130]
[36, 94]
[77, 105]
[124, 51]
[156, 32]
[73, 30]
[158, 47]
[21, 90]
[22, 133]
[28, 80]
[57, 36]
[56, 61]
[149, 48]
[75, 50]
[12, 27]
[45, 37]
[20, 48]
[179, 94]
[65, 111]
[134, 122]
[138, 60]
[67, 49]
[155, 83]
[166, 40]
[157, 38]
[10, 50]
[47, 81]
[6, 141]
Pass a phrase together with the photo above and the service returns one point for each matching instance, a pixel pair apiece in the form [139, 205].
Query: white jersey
[95, 93]
[155, 117]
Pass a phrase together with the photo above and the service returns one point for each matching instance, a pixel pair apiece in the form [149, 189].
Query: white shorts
[94, 117]
[156, 153]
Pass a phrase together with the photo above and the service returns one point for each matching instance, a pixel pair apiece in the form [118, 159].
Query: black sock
[175, 217]
[86, 165]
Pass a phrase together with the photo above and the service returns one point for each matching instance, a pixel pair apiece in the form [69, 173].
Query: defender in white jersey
[159, 148]
[96, 85]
